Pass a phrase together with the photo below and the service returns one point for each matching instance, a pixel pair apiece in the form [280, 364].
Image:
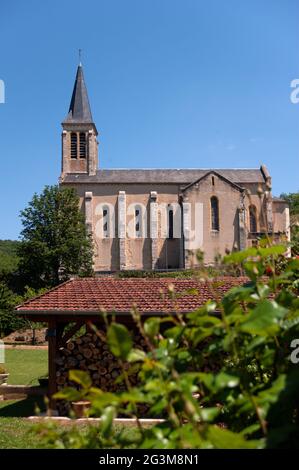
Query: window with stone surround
[138, 222]
[106, 222]
[170, 224]
[215, 214]
[252, 219]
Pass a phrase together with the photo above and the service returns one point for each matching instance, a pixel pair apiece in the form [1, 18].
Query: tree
[9, 320]
[8, 256]
[293, 201]
[55, 242]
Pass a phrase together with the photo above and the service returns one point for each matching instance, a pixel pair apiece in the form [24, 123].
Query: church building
[158, 219]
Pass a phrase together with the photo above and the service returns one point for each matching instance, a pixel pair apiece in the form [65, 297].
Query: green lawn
[25, 366]
[15, 431]
[18, 433]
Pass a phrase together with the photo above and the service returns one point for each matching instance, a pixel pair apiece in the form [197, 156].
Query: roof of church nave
[175, 176]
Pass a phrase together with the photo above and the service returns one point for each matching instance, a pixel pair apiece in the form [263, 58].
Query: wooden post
[52, 342]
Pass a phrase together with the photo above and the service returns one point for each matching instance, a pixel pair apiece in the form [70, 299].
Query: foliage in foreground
[250, 397]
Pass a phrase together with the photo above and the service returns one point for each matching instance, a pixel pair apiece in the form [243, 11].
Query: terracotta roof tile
[119, 295]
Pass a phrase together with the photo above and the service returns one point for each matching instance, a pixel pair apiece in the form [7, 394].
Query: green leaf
[223, 380]
[136, 355]
[224, 439]
[207, 320]
[209, 307]
[69, 394]
[132, 396]
[80, 377]
[152, 327]
[217, 382]
[107, 420]
[264, 319]
[209, 414]
[102, 399]
[274, 250]
[119, 340]
[239, 256]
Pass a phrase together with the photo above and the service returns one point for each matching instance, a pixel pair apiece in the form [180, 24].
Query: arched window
[82, 145]
[214, 213]
[105, 222]
[170, 224]
[74, 145]
[138, 222]
[252, 219]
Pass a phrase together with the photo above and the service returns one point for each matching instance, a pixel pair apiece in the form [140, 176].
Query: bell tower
[79, 134]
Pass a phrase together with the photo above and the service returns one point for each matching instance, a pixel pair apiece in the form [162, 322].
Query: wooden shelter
[83, 301]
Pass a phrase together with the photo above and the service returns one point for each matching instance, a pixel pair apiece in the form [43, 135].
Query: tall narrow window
[105, 223]
[74, 145]
[138, 230]
[82, 145]
[214, 214]
[252, 219]
[170, 224]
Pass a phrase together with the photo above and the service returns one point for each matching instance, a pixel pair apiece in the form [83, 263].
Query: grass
[25, 366]
[15, 431]
[18, 433]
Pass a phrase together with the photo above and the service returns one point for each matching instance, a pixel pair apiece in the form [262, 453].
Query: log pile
[91, 354]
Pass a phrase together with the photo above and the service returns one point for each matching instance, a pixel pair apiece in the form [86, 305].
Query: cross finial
[80, 54]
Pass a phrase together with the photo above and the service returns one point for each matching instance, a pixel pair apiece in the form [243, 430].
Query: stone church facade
[159, 218]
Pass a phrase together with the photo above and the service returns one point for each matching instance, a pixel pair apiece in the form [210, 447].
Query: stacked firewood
[91, 353]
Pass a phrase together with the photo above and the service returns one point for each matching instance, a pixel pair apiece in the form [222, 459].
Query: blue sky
[172, 83]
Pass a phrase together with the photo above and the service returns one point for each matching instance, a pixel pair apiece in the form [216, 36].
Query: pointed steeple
[79, 111]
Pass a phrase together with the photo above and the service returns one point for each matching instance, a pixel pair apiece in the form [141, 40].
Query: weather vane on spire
[80, 55]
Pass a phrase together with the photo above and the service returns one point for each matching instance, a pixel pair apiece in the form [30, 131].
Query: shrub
[9, 320]
[250, 402]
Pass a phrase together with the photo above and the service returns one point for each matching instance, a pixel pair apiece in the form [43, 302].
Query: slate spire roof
[79, 111]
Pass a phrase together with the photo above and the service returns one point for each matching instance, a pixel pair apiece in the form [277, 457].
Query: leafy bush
[9, 320]
[250, 401]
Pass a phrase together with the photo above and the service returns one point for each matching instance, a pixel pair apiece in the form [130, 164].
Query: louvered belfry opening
[74, 145]
[83, 152]
[78, 145]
